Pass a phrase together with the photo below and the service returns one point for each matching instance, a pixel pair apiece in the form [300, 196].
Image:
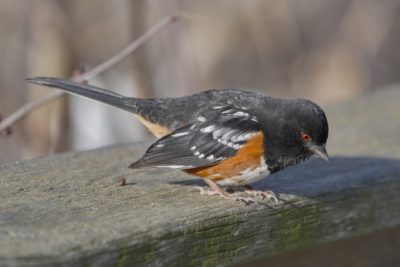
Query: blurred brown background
[324, 50]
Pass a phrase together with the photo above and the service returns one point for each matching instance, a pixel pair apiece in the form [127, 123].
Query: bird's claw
[246, 200]
[207, 192]
[263, 194]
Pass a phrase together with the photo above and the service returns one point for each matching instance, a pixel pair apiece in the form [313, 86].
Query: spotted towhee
[227, 137]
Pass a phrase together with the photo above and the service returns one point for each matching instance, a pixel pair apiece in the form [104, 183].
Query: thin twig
[133, 47]
[25, 109]
[130, 48]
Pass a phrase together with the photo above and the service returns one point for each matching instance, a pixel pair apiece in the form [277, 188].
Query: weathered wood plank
[380, 248]
[69, 208]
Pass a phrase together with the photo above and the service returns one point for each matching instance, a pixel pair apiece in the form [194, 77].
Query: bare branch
[25, 109]
[133, 47]
[130, 48]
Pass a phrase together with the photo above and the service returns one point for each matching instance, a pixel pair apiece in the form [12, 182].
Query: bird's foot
[267, 194]
[205, 191]
[220, 192]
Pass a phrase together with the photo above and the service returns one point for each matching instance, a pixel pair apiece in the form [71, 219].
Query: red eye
[305, 137]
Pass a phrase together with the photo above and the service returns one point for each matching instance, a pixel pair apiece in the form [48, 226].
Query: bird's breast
[246, 176]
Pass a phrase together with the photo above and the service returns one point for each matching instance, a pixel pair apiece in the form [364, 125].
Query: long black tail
[89, 91]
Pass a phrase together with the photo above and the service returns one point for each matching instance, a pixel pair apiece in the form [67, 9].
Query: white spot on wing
[208, 129]
[240, 114]
[254, 118]
[218, 133]
[244, 137]
[201, 118]
[174, 166]
[229, 134]
[179, 134]
[218, 107]
[230, 144]
[236, 146]
[211, 157]
[193, 148]
[201, 156]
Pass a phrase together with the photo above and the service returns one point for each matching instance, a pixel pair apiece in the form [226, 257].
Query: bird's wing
[216, 134]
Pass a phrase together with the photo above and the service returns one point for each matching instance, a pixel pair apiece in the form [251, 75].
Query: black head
[300, 132]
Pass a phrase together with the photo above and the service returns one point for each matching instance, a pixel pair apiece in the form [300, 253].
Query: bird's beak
[320, 151]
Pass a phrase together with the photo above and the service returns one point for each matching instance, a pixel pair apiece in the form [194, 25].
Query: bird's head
[301, 130]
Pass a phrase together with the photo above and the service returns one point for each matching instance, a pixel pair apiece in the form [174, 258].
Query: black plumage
[211, 126]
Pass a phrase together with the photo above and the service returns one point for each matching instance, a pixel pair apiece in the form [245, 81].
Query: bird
[227, 137]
